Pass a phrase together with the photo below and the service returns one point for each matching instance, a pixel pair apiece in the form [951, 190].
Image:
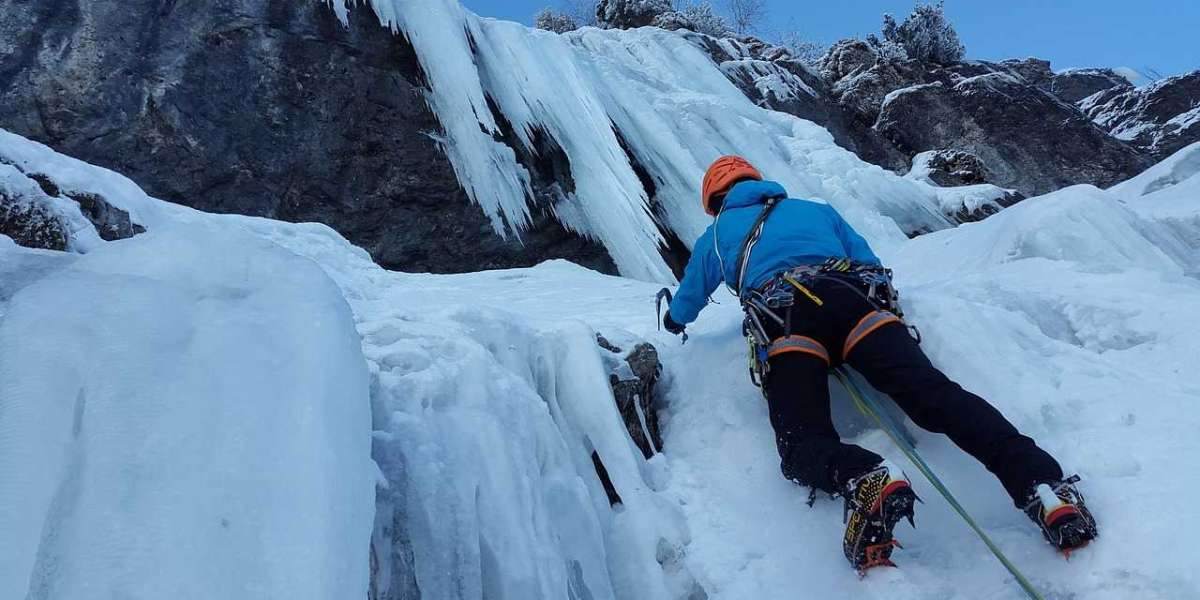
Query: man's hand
[670, 325]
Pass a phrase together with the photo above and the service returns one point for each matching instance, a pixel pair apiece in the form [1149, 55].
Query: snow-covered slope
[667, 100]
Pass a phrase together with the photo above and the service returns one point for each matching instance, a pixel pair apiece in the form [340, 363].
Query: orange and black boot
[1058, 509]
[875, 502]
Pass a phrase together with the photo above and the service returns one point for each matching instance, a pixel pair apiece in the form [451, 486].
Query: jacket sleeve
[700, 280]
[857, 248]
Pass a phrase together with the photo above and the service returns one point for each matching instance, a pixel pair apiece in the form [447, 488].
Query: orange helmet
[721, 176]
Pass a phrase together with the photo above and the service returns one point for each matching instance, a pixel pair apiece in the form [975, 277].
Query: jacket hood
[749, 193]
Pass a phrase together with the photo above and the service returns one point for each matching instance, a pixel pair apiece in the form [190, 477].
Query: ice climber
[816, 296]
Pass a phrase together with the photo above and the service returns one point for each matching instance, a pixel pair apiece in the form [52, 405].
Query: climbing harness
[873, 410]
[872, 282]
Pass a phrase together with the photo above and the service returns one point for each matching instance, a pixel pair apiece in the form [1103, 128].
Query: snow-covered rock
[968, 195]
[1073, 85]
[28, 216]
[1160, 118]
[1029, 139]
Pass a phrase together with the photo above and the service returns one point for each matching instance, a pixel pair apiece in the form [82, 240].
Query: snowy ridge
[668, 101]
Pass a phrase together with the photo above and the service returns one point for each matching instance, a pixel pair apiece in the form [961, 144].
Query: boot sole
[1073, 534]
[877, 541]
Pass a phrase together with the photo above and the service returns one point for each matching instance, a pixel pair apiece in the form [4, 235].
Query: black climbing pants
[797, 390]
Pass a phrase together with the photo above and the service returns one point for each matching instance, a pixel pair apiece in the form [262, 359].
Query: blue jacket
[798, 232]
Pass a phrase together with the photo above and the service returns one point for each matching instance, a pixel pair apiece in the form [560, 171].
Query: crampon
[1060, 512]
[875, 502]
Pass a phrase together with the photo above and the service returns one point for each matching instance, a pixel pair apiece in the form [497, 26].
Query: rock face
[260, 107]
[1028, 139]
[1077, 84]
[1160, 118]
[888, 108]
[772, 78]
[633, 380]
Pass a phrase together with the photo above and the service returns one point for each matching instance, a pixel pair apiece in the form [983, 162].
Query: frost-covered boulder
[863, 92]
[627, 14]
[847, 57]
[29, 220]
[950, 167]
[1160, 118]
[1029, 140]
[968, 196]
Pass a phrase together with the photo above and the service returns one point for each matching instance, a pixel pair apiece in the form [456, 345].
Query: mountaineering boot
[875, 502]
[1058, 509]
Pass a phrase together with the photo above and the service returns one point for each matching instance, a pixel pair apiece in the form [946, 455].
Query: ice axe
[658, 298]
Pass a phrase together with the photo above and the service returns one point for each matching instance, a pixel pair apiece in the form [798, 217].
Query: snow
[956, 199]
[894, 94]
[1135, 77]
[997, 82]
[179, 424]
[72, 175]
[668, 100]
[1184, 120]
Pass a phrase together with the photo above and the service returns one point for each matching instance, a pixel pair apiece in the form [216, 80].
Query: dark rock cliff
[259, 107]
[1018, 116]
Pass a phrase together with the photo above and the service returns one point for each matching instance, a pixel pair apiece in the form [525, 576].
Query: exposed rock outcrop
[771, 77]
[37, 213]
[30, 224]
[262, 107]
[1076, 84]
[949, 168]
[633, 380]
[888, 108]
[1030, 140]
[1160, 118]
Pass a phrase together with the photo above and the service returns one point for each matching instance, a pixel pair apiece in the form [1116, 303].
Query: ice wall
[666, 99]
[183, 414]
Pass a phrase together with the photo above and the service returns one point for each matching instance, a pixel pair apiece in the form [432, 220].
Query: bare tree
[791, 36]
[746, 14]
[583, 12]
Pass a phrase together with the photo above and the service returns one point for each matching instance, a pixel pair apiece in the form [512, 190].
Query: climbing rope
[869, 407]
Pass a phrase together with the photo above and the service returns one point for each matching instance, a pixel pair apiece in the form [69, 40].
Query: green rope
[868, 407]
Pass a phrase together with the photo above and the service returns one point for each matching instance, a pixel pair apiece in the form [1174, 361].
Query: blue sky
[1155, 34]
